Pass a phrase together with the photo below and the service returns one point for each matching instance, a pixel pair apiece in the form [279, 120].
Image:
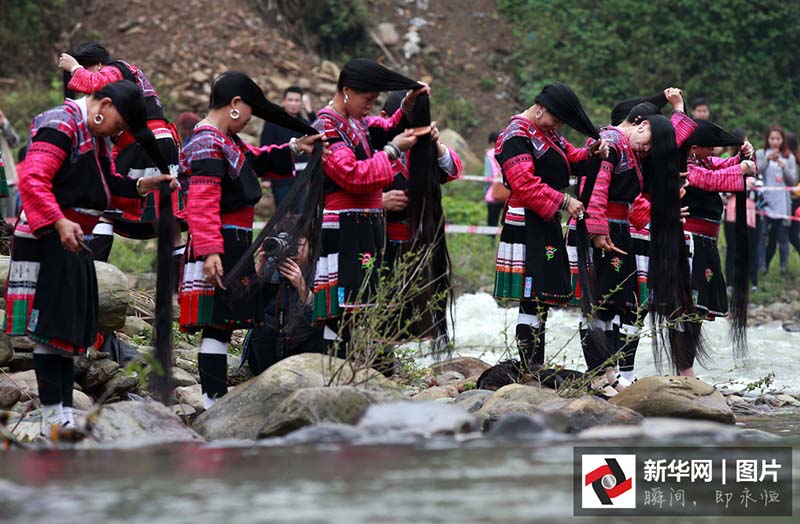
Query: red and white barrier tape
[471, 230]
[777, 217]
[470, 178]
[777, 188]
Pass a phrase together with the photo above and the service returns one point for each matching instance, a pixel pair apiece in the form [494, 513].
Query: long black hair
[669, 278]
[127, 98]
[740, 297]
[586, 274]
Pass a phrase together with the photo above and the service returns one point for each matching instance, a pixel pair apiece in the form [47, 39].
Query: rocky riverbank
[312, 398]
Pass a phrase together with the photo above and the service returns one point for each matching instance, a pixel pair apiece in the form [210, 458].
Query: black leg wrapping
[67, 381]
[48, 378]
[213, 374]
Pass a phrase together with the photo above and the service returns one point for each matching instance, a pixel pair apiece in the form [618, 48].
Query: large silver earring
[235, 114]
[346, 99]
[98, 119]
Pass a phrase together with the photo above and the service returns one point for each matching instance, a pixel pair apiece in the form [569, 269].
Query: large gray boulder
[336, 404]
[139, 423]
[112, 288]
[573, 415]
[679, 397]
[517, 398]
[244, 411]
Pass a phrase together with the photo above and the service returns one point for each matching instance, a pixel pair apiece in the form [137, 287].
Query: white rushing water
[483, 329]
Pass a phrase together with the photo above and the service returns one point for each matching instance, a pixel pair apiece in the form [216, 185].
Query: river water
[436, 481]
[483, 329]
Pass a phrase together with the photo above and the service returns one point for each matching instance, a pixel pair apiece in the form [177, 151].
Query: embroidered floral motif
[709, 274]
[616, 263]
[550, 252]
[367, 260]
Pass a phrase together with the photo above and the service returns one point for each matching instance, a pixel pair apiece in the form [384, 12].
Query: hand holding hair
[68, 63]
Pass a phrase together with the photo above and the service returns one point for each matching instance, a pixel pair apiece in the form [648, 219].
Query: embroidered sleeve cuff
[205, 249]
[42, 220]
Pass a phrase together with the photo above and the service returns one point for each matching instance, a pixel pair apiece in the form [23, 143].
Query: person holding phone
[778, 169]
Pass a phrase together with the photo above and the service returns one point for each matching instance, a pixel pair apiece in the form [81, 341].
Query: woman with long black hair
[88, 68]
[707, 177]
[355, 173]
[67, 179]
[642, 146]
[537, 162]
[224, 186]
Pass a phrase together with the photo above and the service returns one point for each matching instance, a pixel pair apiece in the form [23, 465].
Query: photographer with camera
[287, 326]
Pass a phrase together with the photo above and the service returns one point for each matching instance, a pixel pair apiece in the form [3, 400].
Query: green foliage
[453, 110]
[472, 255]
[133, 256]
[339, 25]
[26, 100]
[25, 29]
[762, 384]
[739, 54]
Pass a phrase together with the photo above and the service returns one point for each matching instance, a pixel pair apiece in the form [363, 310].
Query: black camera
[277, 249]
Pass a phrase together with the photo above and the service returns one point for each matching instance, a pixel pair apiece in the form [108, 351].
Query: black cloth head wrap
[562, 101]
[368, 76]
[709, 134]
[231, 84]
[623, 109]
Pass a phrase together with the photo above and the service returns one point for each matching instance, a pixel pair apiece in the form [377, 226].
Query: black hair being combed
[240, 280]
[161, 380]
[427, 219]
[583, 244]
[740, 297]
[669, 278]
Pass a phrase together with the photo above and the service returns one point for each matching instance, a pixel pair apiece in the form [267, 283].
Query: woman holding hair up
[88, 68]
